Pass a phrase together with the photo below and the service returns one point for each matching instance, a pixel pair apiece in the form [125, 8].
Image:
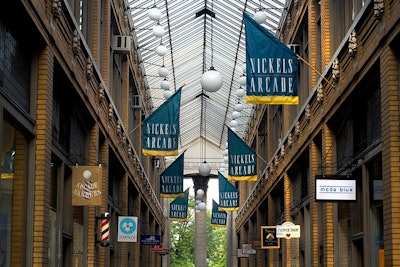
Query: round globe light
[243, 80]
[158, 31]
[167, 94]
[165, 84]
[233, 123]
[154, 13]
[235, 115]
[222, 165]
[226, 159]
[238, 107]
[202, 206]
[226, 151]
[200, 192]
[240, 93]
[163, 71]
[161, 50]
[244, 68]
[260, 16]
[212, 80]
[204, 169]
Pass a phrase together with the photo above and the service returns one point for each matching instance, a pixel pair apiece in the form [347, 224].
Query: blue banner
[218, 218]
[242, 159]
[160, 130]
[171, 180]
[178, 208]
[271, 67]
[228, 194]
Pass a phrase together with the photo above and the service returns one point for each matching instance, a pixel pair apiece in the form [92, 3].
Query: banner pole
[315, 70]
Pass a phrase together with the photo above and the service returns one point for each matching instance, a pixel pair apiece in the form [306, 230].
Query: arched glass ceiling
[196, 32]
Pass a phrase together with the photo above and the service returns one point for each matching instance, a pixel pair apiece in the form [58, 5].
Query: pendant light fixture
[154, 13]
[204, 167]
[212, 80]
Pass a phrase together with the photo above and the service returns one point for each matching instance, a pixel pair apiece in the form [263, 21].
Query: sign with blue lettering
[150, 239]
[335, 189]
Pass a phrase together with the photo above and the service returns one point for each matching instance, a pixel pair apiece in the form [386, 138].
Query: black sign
[268, 237]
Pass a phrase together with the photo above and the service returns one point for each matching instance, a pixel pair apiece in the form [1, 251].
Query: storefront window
[7, 156]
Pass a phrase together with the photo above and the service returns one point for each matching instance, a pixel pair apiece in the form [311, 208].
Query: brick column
[314, 214]
[43, 158]
[287, 197]
[390, 155]
[200, 229]
[327, 207]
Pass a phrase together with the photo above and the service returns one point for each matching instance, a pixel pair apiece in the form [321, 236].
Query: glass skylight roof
[196, 34]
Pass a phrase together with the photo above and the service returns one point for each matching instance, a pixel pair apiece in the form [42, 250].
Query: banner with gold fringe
[178, 208]
[271, 67]
[171, 180]
[160, 130]
[242, 159]
[228, 194]
[218, 217]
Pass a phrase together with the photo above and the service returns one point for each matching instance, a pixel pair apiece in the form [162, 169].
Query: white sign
[288, 230]
[248, 249]
[331, 189]
[127, 229]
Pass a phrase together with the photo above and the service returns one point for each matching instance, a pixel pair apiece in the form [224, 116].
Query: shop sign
[269, 239]
[288, 230]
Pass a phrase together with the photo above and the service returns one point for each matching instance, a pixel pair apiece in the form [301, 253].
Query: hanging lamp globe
[163, 71]
[238, 107]
[233, 123]
[167, 94]
[235, 115]
[154, 13]
[244, 68]
[158, 30]
[202, 206]
[243, 80]
[200, 192]
[260, 16]
[204, 169]
[212, 80]
[165, 84]
[240, 93]
[161, 50]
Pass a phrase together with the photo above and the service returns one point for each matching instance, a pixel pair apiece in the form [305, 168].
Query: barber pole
[105, 229]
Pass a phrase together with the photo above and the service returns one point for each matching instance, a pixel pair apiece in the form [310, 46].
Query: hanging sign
[218, 218]
[178, 208]
[160, 130]
[242, 159]
[171, 180]
[288, 230]
[271, 67]
[268, 237]
[86, 185]
[228, 194]
[127, 229]
[336, 187]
